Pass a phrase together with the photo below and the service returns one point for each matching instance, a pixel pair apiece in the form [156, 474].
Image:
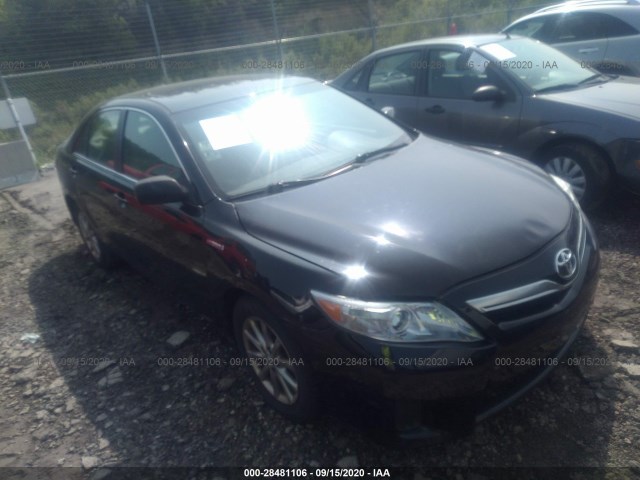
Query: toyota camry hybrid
[446, 279]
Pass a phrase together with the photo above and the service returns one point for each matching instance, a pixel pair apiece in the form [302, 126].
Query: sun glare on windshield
[277, 122]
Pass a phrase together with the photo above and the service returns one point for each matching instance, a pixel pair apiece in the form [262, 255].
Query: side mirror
[159, 189]
[389, 111]
[487, 93]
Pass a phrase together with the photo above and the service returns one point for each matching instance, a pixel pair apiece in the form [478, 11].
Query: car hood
[418, 221]
[619, 96]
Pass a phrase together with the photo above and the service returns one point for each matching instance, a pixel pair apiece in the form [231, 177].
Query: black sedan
[446, 278]
[516, 95]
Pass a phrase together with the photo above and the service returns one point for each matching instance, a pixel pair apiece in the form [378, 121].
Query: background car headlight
[397, 322]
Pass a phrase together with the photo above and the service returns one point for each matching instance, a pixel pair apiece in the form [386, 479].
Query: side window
[353, 82]
[146, 150]
[529, 28]
[395, 74]
[452, 76]
[99, 138]
[614, 27]
[576, 27]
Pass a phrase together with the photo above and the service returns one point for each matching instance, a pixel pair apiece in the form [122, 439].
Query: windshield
[541, 67]
[249, 144]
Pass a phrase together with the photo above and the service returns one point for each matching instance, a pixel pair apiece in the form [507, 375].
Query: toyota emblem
[566, 263]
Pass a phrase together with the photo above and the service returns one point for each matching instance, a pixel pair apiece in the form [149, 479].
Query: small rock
[625, 344]
[165, 388]
[102, 417]
[594, 373]
[225, 383]
[30, 337]
[103, 443]
[518, 429]
[89, 462]
[25, 376]
[103, 365]
[178, 338]
[61, 461]
[70, 405]
[114, 376]
[632, 369]
[57, 383]
[350, 461]
[42, 414]
[43, 434]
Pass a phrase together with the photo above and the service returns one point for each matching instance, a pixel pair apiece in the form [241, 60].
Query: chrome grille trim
[517, 296]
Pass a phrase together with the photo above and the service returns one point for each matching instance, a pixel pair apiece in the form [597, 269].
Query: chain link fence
[68, 61]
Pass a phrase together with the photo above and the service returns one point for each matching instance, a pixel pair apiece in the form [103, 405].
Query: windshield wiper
[565, 86]
[598, 76]
[358, 161]
[363, 157]
[561, 86]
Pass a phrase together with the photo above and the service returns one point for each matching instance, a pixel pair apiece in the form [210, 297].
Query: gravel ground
[89, 390]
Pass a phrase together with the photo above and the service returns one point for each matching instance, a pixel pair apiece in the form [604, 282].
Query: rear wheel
[100, 253]
[583, 168]
[286, 381]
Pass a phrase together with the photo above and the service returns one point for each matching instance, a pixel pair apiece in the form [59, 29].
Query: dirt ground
[92, 388]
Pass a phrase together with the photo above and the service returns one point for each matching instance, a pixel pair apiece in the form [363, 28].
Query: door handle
[588, 50]
[121, 199]
[436, 109]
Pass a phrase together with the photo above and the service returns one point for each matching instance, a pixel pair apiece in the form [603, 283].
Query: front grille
[535, 298]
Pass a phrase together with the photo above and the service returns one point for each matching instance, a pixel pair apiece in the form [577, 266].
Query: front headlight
[566, 188]
[397, 322]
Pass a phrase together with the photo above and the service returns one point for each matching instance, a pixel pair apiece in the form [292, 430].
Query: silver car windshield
[303, 133]
[541, 67]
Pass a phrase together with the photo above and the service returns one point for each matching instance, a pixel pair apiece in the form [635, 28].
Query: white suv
[601, 34]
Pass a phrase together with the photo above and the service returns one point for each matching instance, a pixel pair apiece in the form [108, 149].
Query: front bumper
[440, 389]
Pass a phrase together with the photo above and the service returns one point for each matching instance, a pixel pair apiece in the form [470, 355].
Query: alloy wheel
[270, 360]
[570, 171]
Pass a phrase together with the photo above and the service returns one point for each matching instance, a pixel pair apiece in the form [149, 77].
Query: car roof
[620, 8]
[588, 5]
[461, 40]
[182, 96]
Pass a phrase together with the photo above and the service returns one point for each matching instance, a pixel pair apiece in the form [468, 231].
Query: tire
[583, 168]
[285, 380]
[100, 253]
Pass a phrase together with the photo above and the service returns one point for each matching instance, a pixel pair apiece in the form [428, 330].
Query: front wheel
[583, 168]
[286, 381]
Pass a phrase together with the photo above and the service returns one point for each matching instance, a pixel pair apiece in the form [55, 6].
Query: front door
[447, 110]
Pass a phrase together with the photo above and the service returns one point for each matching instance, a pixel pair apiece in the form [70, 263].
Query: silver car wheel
[270, 360]
[89, 236]
[571, 172]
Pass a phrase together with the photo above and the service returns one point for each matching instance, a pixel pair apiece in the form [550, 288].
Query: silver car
[604, 35]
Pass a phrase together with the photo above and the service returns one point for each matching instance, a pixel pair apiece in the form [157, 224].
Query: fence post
[372, 26]
[16, 118]
[156, 42]
[276, 29]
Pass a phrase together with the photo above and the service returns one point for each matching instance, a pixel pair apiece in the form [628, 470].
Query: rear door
[93, 167]
[391, 80]
[580, 35]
